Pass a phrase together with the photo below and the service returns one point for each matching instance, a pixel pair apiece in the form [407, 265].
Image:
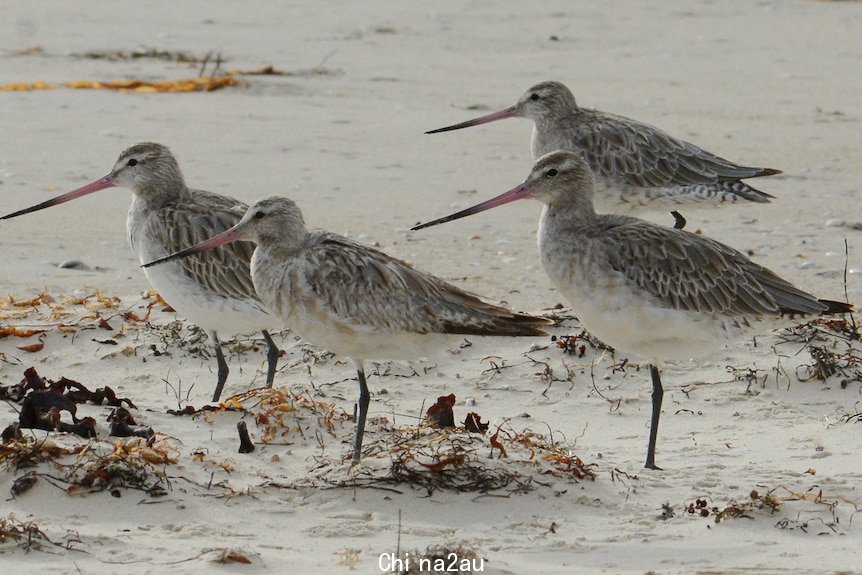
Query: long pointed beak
[231, 235]
[100, 184]
[518, 193]
[509, 112]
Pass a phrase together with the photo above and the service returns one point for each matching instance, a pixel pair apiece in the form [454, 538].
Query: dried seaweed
[132, 464]
[834, 347]
[452, 459]
[7, 331]
[577, 344]
[822, 329]
[45, 315]
[25, 451]
[458, 467]
[440, 414]
[198, 84]
[144, 53]
[25, 534]
[756, 502]
[827, 363]
[473, 423]
[270, 407]
[43, 401]
[823, 518]
[124, 425]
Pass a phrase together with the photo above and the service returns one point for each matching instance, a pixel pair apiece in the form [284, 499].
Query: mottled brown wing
[224, 270]
[643, 155]
[367, 287]
[690, 272]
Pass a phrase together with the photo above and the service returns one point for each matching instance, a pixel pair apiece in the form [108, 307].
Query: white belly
[630, 325]
[364, 343]
[629, 319]
[211, 312]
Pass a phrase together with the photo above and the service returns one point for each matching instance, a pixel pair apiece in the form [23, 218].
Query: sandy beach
[759, 447]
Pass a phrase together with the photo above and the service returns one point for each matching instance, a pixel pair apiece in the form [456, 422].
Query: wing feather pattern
[642, 155]
[223, 271]
[690, 272]
[367, 287]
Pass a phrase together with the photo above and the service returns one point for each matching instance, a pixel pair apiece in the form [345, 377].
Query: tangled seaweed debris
[422, 456]
[21, 452]
[83, 467]
[135, 463]
[142, 53]
[821, 514]
[45, 316]
[577, 344]
[735, 509]
[442, 415]
[278, 413]
[43, 401]
[281, 412]
[454, 459]
[25, 534]
[835, 347]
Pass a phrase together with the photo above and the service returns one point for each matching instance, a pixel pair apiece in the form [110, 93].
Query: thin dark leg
[657, 395]
[364, 399]
[678, 220]
[271, 358]
[222, 367]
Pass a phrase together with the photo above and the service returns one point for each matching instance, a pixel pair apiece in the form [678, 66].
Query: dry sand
[766, 83]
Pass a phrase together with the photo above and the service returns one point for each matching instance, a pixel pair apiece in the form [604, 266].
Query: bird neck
[163, 194]
[284, 243]
[553, 120]
[572, 211]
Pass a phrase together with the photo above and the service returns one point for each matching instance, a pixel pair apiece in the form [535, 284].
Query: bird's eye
[132, 162]
[551, 173]
[534, 97]
[258, 215]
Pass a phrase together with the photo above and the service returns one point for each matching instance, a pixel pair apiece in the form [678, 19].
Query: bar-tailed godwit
[636, 166]
[213, 291]
[661, 293]
[354, 300]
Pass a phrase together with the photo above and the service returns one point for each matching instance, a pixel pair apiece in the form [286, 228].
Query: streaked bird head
[546, 101]
[148, 168]
[273, 220]
[560, 176]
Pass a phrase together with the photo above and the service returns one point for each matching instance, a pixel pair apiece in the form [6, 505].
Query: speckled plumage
[355, 300]
[636, 166]
[213, 290]
[657, 292]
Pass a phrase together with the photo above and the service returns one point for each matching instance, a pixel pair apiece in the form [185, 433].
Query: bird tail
[750, 193]
[836, 307]
[765, 172]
